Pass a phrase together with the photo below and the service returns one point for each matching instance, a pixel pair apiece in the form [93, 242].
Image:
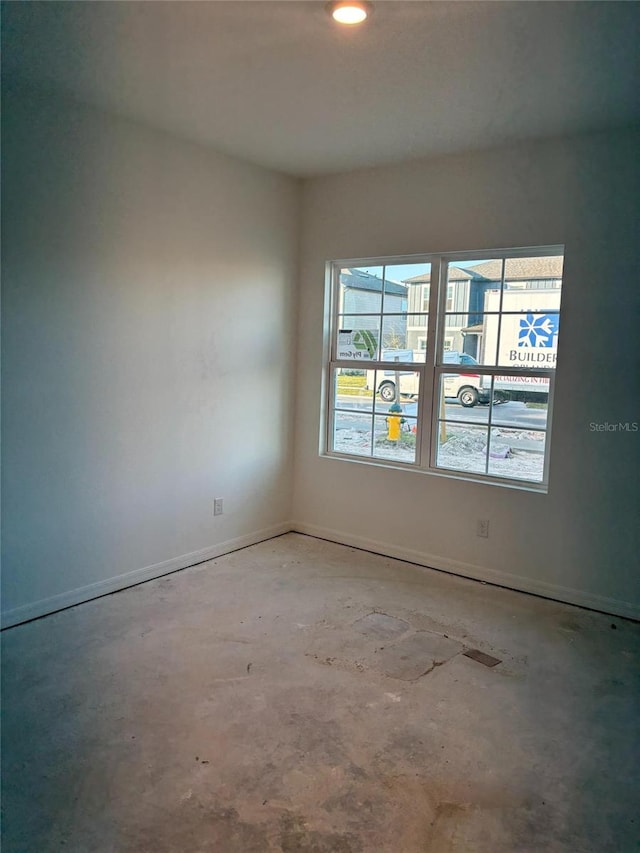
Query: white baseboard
[555, 592]
[104, 587]
[468, 570]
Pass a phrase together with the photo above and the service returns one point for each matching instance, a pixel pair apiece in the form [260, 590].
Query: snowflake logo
[538, 330]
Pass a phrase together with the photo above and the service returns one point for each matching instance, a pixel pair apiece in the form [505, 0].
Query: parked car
[466, 387]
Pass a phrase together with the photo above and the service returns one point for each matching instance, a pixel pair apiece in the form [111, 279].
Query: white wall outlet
[218, 507]
[483, 528]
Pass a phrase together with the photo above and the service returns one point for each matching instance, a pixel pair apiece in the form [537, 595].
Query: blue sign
[538, 330]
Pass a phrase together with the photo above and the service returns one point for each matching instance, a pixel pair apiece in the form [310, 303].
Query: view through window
[446, 363]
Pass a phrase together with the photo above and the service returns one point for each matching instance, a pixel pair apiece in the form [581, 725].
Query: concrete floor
[304, 696]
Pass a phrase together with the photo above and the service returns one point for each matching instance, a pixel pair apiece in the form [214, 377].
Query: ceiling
[281, 85]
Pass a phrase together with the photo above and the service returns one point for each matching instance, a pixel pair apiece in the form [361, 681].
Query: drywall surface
[579, 542]
[148, 331]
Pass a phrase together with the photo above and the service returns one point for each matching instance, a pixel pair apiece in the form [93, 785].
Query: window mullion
[384, 274]
[330, 420]
[336, 310]
[547, 435]
[426, 412]
[496, 354]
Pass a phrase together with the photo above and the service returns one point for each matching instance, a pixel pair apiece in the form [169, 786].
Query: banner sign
[357, 344]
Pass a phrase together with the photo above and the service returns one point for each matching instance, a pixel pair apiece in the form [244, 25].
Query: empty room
[320, 427]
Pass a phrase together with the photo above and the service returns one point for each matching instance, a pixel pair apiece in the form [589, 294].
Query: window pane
[469, 339]
[529, 339]
[396, 292]
[464, 401]
[469, 389]
[401, 336]
[395, 438]
[388, 382]
[467, 284]
[358, 338]
[404, 336]
[360, 290]
[394, 339]
[417, 278]
[518, 454]
[518, 403]
[352, 433]
[417, 335]
[462, 447]
[350, 390]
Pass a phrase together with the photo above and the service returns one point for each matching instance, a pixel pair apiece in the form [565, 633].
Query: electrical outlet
[218, 506]
[483, 528]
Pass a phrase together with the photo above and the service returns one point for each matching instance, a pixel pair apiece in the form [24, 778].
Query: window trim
[430, 371]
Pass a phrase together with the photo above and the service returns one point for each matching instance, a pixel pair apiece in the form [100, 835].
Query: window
[475, 405]
[449, 304]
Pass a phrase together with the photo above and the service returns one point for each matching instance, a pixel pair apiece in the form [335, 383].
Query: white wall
[148, 296]
[148, 311]
[581, 541]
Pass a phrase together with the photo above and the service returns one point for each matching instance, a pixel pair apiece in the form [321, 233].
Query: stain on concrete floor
[383, 643]
[381, 626]
[416, 655]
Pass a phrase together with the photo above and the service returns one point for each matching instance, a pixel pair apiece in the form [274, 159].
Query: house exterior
[361, 298]
[460, 296]
[474, 290]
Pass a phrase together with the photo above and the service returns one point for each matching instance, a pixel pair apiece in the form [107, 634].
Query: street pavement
[512, 415]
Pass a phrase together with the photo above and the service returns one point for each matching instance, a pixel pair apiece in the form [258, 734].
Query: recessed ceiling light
[349, 12]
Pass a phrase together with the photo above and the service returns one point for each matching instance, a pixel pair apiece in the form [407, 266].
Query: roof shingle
[520, 268]
[361, 280]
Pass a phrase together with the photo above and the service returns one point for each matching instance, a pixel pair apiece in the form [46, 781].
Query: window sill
[447, 474]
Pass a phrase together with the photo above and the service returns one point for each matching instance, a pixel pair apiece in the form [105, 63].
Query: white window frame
[430, 371]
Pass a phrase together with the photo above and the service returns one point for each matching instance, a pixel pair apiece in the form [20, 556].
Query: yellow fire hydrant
[394, 422]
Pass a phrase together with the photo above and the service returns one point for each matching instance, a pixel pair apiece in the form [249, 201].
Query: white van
[466, 387]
